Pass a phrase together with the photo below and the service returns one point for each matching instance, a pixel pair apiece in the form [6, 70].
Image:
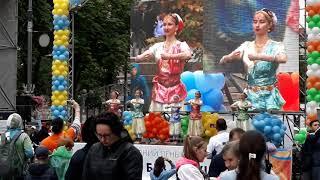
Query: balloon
[191, 94]
[267, 129]
[214, 98]
[206, 108]
[188, 80]
[276, 129]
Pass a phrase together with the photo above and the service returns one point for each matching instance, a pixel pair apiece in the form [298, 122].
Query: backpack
[9, 160]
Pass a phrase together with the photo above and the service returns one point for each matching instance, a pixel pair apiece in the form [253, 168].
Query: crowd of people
[109, 153]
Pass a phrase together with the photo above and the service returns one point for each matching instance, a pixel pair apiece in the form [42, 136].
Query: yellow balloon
[60, 32]
[64, 1]
[65, 93]
[65, 12]
[65, 38]
[64, 6]
[55, 1]
[60, 12]
[62, 68]
[215, 116]
[55, 93]
[56, 102]
[64, 103]
[56, 72]
[54, 12]
[53, 67]
[66, 32]
[64, 73]
[66, 44]
[57, 6]
[53, 98]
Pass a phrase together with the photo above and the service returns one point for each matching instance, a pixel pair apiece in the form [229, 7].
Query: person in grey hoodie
[159, 172]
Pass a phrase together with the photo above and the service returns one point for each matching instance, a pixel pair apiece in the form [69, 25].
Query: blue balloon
[255, 123]
[63, 112]
[64, 17]
[275, 129]
[282, 132]
[56, 83]
[202, 81]
[267, 130]
[53, 107]
[66, 53]
[277, 137]
[188, 80]
[55, 47]
[62, 57]
[60, 78]
[191, 94]
[61, 88]
[54, 88]
[217, 79]
[55, 57]
[56, 27]
[62, 49]
[56, 113]
[261, 125]
[214, 98]
[60, 108]
[206, 108]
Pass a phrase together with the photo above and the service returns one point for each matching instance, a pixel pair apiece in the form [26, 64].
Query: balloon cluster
[184, 126]
[209, 85]
[313, 55]
[209, 123]
[301, 137]
[130, 131]
[288, 85]
[270, 126]
[60, 55]
[156, 127]
[127, 118]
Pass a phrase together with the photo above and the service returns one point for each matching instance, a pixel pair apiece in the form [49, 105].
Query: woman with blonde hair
[194, 152]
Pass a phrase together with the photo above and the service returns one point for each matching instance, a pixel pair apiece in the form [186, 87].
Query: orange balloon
[312, 79]
[309, 85]
[312, 117]
[308, 8]
[310, 48]
[311, 13]
[317, 85]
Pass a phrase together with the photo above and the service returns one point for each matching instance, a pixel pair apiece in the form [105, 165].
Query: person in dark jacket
[76, 164]
[311, 152]
[40, 170]
[112, 158]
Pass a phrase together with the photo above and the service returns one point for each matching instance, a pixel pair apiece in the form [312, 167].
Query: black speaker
[24, 107]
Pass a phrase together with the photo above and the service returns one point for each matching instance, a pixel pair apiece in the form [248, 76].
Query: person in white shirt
[217, 142]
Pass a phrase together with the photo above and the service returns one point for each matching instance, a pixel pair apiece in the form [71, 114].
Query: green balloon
[311, 24]
[308, 19]
[315, 54]
[312, 92]
[308, 55]
[298, 137]
[318, 24]
[317, 61]
[303, 131]
[317, 98]
[316, 18]
[309, 98]
[310, 60]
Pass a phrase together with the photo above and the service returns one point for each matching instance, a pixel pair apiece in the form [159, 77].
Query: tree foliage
[101, 43]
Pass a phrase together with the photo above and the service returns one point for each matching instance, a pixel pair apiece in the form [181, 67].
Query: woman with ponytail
[194, 152]
[252, 149]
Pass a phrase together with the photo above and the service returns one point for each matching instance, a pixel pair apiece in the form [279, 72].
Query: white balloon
[314, 67]
[310, 73]
[308, 31]
[317, 73]
[315, 30]
[309, 67]
[311, 37]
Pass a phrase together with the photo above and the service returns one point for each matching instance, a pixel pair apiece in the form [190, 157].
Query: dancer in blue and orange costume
[170, 56]
[113, 104]
[195, 127]
[137, 115]
[261, 58]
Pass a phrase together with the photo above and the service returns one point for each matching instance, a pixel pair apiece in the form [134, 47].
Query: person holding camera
[159, 172]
